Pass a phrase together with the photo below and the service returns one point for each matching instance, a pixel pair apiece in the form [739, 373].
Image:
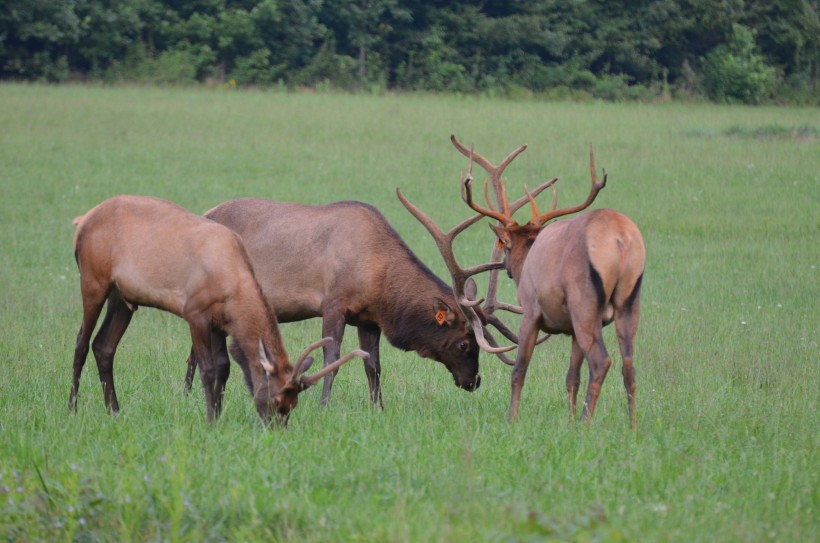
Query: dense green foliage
[607, 48]
[726, 353]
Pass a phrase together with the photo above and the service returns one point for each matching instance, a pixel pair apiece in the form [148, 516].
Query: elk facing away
[343, 262]
[573, 277]
[135, 250]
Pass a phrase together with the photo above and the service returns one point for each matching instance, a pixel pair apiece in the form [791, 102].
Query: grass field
[726, 356]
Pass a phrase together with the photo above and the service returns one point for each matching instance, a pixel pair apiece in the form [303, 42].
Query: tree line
[746, 51]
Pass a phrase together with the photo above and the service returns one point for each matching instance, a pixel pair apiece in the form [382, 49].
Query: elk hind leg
[93, 301]
[574, 378]
[369, 342]
[117, 318]
[333, 325]
[599, 362]
[626, 326]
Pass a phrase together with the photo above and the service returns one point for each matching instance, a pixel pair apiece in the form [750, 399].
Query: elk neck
[519, 243]
[252, 319]
[407, 312]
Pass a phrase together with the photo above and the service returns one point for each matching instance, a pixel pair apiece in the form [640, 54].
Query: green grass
[726, 355]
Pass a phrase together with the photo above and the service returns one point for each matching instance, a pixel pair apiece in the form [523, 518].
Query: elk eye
[463, 346]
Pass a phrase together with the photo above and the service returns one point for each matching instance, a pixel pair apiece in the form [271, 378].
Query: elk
[136, 251]
[573, 277]
[343, 262]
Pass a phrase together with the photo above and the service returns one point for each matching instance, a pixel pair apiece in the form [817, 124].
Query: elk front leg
[574, 378]
[527, 335]
[333, 325]
[201, 340]
[369, 342]
[117, 318]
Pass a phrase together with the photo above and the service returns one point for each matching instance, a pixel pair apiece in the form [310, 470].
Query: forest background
[752, 51]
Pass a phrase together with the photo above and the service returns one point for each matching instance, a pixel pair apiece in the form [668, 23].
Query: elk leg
[574, 378]
[219, 354]
[626, 325]
[92, 306]
[333, 325]
[527, 335]
[239, 355]
[117, 318]
[369, 342]
[190, 372]
[599, 363]
[201, 339]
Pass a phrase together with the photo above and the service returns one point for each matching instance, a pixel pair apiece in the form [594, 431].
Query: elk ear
[502, 235]
[444, 314]
[263, 359]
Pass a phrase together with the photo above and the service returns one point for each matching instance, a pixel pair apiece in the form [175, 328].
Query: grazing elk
[343, 262]
[573, 277]
[139, 251]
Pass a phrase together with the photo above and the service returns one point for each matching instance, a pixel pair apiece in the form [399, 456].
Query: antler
[444, 242]
[505, 218]
[492, 304]
[308, 381]
[553, 213]
[494, 171]
[303, 363]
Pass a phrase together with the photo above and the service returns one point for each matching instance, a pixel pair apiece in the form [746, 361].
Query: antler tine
[467, 196]
[444, 242]
[471, 154]
[518, 204]
[533, 206]
[495, 172]
[501, 356]
[487, 194]
[592, 169]
[484, 344]
[596, 188]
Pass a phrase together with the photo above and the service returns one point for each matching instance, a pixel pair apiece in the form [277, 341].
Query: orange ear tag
[500, 244]
[440, 317]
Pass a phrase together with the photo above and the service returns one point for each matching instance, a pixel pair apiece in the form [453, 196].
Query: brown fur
[555, 270]
[574, 276]
[343, 262]
[140, 251]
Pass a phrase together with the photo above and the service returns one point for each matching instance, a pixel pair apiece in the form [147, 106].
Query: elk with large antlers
[345, 263]
[139, 251]
[573, 277]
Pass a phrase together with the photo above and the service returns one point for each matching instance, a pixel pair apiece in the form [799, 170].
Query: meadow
[726, 354]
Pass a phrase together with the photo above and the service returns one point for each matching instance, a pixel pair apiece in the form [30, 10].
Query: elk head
[277, 392]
